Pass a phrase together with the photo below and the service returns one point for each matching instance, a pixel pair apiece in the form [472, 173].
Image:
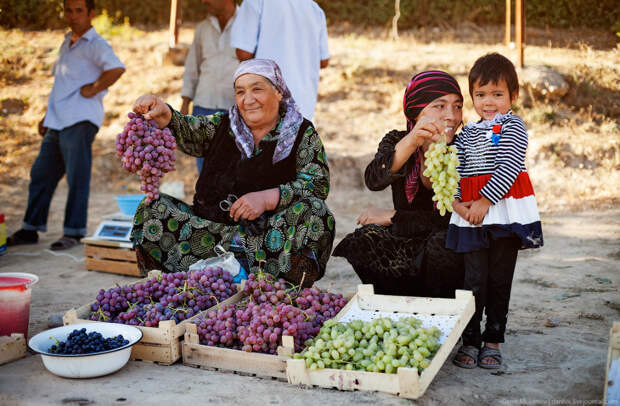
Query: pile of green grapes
[380, 345]
[441, 162]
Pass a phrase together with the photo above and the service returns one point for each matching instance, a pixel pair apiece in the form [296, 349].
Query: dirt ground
[573, 280]
[573, 158]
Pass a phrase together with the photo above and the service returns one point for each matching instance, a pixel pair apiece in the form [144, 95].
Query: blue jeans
[67, 151]
[201, 111]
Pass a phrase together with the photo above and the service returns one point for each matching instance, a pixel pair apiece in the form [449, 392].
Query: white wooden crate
[12, 347]
[449, 315]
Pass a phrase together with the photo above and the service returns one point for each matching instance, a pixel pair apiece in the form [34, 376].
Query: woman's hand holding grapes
[153, 108]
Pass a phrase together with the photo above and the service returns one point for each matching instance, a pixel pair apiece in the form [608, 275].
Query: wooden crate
[406, 382]
[110, 256]
[12, 347]
[613, 354]
[160, 344]
[229, 360]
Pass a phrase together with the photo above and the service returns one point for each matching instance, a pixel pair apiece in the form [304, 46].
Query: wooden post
[508, 21]
[519, 29]
[395, 20]
[175, 16]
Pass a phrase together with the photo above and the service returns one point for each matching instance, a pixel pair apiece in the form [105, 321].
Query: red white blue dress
[492, 164]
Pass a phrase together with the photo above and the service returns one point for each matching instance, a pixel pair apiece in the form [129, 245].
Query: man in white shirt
[210, 63]
[293, 33]
[86, 67]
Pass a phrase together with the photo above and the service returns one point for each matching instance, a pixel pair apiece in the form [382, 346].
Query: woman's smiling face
[448, 109]
[257, 99]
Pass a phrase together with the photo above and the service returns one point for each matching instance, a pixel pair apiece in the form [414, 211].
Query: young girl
[495, 213]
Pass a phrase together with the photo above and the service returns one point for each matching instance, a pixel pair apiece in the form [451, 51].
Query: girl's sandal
[471, 352]
[488, 352]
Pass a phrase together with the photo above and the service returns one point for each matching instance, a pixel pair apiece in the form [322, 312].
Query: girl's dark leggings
[488, 274]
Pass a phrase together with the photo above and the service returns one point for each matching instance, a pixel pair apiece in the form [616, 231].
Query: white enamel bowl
[85, 365]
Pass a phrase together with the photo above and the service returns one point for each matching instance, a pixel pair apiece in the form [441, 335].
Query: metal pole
[508, 21]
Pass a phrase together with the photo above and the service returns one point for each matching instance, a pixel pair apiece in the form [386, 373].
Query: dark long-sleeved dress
[171, 235]
[409, 257]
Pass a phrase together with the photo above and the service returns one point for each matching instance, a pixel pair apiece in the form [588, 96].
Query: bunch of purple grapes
[269, 310]
[147, 150]
[174, 296]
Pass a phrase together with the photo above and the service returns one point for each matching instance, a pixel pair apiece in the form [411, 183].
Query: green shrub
[602, 14]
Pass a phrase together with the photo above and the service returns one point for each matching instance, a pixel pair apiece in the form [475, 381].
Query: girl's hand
[373, 215]
[478, 210]
[153, 108]
[251, 205]
[461, 208]
[426, 130]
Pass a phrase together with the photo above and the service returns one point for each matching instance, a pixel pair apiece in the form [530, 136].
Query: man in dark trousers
[85, 68]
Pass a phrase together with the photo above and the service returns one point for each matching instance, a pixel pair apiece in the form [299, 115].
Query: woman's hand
[478, 210]
[153, 108]
[251, 205]
[426, 130]
[461, 208]
[373, 215]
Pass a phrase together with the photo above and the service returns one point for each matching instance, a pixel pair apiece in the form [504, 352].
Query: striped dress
[492, 164]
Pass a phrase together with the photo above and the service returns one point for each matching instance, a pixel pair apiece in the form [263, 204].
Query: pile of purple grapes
[173, 296]
[79, 342]
[269, 310]
[147, 150]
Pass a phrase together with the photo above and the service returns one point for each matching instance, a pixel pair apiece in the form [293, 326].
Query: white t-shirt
[293, 33]
[79, 65]
[210, 65]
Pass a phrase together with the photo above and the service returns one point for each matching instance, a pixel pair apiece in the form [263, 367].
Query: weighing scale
[115, 227]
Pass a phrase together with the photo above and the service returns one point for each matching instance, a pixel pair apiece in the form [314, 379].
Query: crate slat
[110, 257]
[406, 382]
[12, 347]
[121, 254]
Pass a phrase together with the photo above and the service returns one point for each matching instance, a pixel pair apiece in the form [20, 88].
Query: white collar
[485, 124]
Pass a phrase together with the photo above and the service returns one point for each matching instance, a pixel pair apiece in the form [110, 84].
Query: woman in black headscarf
[401, 251]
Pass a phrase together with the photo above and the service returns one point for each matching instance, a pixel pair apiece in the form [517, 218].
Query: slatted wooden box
[110, 256]
[613, 354]
[229, 360]
[12, 347]
[454, 314]
[160, 344]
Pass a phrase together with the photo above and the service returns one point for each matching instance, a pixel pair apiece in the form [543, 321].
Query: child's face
[492, 99]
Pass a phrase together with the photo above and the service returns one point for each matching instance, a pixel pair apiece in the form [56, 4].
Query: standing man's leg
[45, 173]
[75, 144]
[202, 111]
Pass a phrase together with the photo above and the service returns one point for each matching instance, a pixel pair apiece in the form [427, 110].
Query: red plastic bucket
[15, 289]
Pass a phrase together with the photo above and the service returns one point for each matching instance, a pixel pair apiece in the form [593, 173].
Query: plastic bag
[225, 260]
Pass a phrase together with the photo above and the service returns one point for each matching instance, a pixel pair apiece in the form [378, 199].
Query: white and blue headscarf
[290, 122]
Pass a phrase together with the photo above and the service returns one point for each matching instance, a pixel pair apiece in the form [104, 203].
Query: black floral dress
[168, 233]
[409, 257]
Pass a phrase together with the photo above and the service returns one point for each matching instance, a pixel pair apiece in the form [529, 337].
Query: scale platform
[114, 227]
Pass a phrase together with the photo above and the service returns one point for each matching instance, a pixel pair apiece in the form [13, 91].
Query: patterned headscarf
[292, 118]
[422, 90]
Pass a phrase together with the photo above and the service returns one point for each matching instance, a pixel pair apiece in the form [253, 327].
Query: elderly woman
[264, 184]
[401, 251]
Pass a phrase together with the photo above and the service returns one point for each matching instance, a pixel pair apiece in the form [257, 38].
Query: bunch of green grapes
[380, 345]
[441, 162]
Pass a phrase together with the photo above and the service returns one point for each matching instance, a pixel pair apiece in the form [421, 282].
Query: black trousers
[488, 274]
